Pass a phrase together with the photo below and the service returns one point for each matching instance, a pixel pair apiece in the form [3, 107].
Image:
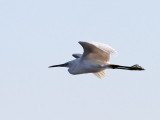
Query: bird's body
[79, 66]
[95, 59]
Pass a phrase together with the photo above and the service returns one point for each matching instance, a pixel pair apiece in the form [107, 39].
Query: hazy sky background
[35, 34]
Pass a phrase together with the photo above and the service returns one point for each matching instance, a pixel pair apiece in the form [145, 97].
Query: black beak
[60, 65]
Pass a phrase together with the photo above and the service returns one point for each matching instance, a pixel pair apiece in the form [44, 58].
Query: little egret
[95, 59]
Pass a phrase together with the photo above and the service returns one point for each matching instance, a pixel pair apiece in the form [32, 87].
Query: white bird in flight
[95, 59]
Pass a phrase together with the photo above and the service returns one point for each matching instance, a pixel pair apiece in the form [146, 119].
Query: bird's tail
[134, 67]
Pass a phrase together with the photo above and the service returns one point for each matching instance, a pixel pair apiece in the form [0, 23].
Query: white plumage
[95, 59]
[97, 53]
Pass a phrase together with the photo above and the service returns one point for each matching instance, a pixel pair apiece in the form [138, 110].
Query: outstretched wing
[95, 51]
[77, 55]
[101, 74]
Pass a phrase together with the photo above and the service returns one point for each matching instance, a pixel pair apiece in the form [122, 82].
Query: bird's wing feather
[77, 55]
[101, 74]
[96, 51]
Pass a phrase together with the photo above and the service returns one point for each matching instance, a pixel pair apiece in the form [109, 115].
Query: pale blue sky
[35, 34]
